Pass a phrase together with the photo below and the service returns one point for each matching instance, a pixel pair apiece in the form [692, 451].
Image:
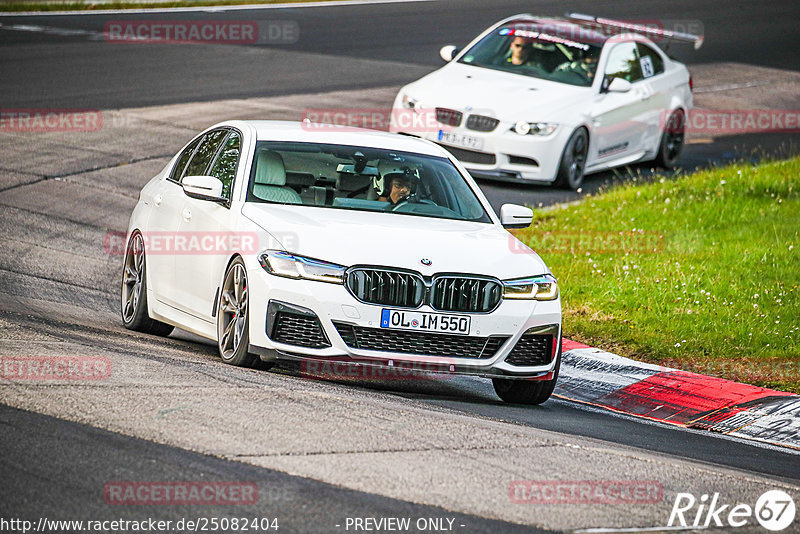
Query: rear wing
[696, 40]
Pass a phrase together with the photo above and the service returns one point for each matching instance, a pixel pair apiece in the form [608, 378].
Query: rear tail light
[691, 83]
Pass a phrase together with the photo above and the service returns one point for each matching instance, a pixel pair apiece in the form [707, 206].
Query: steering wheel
[413, 199]
[567, 66]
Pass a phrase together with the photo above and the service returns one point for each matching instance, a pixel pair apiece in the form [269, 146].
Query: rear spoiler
[696, 40]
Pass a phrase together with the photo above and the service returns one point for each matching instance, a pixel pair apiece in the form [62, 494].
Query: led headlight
[534, 128]
[542, 287]
[299, 267]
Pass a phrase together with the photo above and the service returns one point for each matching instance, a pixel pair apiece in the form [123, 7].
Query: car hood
[503, 95]
[349, 237]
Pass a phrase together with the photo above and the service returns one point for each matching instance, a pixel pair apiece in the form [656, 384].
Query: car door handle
[157, 200]
[187, 214]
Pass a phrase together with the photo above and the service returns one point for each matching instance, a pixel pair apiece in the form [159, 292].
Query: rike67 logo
[774, 510]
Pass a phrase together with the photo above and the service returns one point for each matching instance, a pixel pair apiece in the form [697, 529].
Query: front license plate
[426, 322]
[468, 141]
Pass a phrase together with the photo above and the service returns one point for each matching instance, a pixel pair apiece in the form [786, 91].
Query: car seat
[270, 179]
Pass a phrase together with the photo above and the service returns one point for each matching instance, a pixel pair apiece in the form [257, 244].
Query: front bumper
[333, 305]
[504, 155]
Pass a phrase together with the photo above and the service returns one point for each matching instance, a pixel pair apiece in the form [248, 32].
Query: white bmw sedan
[537, 99]
[318, 243]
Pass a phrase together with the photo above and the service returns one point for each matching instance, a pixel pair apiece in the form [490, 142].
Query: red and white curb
[593, 376]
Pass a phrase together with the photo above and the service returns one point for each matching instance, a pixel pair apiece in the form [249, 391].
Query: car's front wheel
[573, 161]
[672, 139]
[233, 333]
[134, 291]
[526, 391]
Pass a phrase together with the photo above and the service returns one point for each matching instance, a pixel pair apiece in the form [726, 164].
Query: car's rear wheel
[526, 391]
[233, 333]
[672, 139]
[134, 291]
[573, 161]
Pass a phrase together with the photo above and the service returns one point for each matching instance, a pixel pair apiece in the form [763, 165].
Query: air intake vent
[471, 156]
[421, 343]
[519, 160]
[460, 294]
[532, 349]
[300, 330]
[385, 287]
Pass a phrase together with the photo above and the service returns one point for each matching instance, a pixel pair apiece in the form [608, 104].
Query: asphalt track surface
[57, 468]
[397, 40]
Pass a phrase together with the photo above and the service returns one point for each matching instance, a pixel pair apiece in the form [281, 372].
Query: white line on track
[208, 9]
[729, 86]
[51, 31]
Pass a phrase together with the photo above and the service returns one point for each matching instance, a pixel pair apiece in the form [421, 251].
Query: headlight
[409, 103]
[542, 287]
[299, 267]
[534, 128]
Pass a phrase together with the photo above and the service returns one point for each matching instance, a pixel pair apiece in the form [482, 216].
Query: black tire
[672, 140]
[233, 331]
[133, 307]
[573, 161]
[526, 391]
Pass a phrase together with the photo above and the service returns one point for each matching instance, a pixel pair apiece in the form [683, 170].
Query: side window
[623, 62]
[650, 61]
[224, 166]
[177, 171]
[205, 153]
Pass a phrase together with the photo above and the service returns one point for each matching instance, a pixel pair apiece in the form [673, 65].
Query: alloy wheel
[132, 278]
[233, 311]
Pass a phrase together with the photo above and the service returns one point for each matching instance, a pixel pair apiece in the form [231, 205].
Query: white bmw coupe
[320, 243]
[537, 99]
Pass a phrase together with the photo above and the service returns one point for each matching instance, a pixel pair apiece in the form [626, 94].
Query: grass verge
[699, 272]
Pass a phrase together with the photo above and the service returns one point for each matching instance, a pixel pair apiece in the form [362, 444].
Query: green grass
[50, 5]
[699, 272]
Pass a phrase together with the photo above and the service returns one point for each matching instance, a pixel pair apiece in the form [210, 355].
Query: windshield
[361, 178]
[550, 52]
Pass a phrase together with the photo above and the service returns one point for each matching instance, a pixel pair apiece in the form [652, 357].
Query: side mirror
[618, 85]
[515, 216]
[449, 52]
[203, 188]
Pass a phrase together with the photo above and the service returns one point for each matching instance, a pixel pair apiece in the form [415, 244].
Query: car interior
[348, 177]
[555, 60]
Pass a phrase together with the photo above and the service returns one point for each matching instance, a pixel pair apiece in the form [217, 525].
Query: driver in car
[520, 52]
[585, 65]
[395, 184]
